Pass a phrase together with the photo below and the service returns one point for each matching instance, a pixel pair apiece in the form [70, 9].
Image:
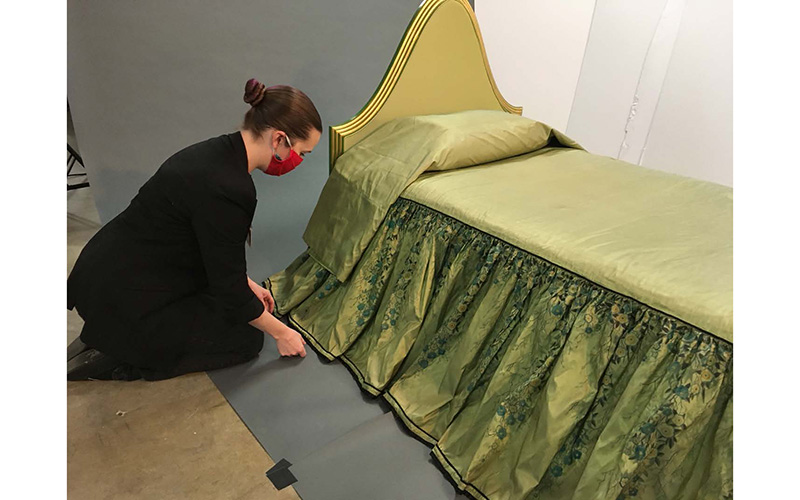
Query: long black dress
[163, 286]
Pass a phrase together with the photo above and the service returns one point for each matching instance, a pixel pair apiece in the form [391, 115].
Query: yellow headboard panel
[440, 67]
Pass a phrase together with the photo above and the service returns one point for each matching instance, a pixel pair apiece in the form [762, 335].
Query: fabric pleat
[529, 381]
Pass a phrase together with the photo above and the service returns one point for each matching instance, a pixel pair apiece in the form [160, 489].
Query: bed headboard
[440, 66]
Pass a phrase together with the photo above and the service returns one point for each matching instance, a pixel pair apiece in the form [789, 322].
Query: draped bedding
[555, 324]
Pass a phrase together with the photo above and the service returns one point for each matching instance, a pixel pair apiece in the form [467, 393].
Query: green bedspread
[662, 239]
[556, 324]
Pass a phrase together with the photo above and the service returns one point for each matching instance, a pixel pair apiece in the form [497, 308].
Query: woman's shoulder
[211, 151]
[214, 166]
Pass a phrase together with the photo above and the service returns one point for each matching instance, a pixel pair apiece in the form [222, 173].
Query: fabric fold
[530, 381]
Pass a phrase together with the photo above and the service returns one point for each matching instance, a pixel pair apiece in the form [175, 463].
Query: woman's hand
[263, 295]
[290, 343]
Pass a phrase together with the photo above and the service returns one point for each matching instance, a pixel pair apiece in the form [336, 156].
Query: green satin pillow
[480, 136]
[464, 138]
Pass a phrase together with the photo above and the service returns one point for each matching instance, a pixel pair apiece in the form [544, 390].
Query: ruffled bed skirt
[528, 380]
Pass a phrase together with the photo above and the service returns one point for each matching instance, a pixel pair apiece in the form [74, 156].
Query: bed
[555, 324]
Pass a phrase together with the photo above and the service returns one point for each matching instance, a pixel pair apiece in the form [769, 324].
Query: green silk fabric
[556, 324]
[370, 176]
[529, 380]
[663, 239]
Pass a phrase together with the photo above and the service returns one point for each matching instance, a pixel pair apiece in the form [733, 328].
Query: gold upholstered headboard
[440, 66]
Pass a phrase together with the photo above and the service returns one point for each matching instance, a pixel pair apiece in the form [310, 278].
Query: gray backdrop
[147, 78]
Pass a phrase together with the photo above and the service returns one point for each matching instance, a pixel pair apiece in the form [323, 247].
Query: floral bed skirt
[529, 381]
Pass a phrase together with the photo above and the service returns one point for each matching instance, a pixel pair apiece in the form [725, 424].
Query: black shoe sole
[90, 364]
[75, 348]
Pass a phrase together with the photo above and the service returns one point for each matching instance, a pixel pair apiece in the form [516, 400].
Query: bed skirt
[528, 380]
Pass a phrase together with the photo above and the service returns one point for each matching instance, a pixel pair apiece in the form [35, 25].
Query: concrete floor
[174, 439]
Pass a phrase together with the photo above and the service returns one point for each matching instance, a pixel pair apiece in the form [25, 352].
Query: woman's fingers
[270, 302]
[292, 345]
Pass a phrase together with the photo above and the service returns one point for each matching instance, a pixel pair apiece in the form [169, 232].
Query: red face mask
[280, 166]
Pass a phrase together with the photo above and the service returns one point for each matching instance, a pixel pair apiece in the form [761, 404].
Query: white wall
[535, 49]
[646, 81]
[692, 131]
[614, 60]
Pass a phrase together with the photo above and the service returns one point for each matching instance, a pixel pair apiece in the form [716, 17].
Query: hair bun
[254, 92]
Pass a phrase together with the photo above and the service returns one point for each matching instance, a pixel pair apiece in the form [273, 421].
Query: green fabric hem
[362, 381]
[454, 475]
[398, 410]
[363, 384]
[310, 338]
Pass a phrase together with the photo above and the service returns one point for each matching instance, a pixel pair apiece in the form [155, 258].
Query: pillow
[370, 176]
[461, 139]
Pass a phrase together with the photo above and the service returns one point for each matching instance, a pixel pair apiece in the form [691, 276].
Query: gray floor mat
[376, 460]
[294, 406]
[342, 442]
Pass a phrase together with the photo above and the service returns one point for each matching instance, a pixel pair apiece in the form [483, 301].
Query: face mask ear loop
[275, 153]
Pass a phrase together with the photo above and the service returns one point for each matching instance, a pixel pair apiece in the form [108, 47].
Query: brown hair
[280, 107]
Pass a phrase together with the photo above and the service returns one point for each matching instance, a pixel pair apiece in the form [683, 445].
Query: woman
[163, 288]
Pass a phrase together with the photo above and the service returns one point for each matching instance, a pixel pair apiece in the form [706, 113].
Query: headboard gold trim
[444, 69]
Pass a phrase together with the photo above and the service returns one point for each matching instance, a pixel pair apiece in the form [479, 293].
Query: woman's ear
[274, 139]
[277, 139]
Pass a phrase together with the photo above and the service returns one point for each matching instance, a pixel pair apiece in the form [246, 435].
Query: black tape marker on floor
[280, 476]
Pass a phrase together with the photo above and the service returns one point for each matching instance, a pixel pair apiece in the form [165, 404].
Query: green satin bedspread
[660, 238]
[663, 239]
[531, 381]
[557, 324]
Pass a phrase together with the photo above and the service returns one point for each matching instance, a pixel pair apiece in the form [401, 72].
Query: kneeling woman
[163, 288]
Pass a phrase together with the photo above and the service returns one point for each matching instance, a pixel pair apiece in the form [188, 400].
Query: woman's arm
[263, 294]
[221, 229]
[289, 342]
[220, 226]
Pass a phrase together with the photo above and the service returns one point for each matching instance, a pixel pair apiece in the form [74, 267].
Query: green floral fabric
[528, 380]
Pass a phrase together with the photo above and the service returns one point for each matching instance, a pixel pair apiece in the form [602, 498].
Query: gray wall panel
[148, 78]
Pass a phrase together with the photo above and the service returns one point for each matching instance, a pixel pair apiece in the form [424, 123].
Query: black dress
[163, 286]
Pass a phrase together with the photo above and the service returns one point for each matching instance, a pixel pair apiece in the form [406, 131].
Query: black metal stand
[72, 158]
